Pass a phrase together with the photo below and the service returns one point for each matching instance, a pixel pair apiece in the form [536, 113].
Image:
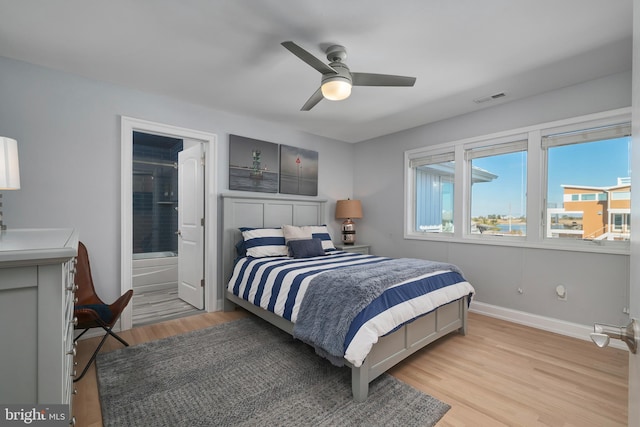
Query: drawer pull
[73, 373]
[74, 321]
[73, 421]
[72, 352]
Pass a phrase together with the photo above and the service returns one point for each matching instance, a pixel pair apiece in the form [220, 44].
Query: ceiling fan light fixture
[336, 89]
[337, 79]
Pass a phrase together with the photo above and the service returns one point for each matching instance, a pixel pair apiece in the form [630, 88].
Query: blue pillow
[292, 232]
[322, 232]
[306, 248]
[102, 310]
[241, 248]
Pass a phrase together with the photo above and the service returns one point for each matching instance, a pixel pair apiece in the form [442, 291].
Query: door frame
[127, 126]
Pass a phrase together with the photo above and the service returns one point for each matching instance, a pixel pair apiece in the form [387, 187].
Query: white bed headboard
[262, 211]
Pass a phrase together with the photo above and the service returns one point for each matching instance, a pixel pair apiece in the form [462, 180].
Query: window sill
[520, 242]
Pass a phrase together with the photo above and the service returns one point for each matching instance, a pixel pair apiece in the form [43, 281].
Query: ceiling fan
[337, 79]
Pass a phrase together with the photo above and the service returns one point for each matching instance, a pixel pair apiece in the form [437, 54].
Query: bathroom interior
[155, 223]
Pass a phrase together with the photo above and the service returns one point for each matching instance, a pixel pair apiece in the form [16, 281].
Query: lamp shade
[348, 209]
[9, 167]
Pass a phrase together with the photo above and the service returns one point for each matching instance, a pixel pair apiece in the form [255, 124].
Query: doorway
[166, 221]
[156, 257]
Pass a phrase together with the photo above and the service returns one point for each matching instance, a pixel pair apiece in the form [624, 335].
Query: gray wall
[597, 285]
[68, 133]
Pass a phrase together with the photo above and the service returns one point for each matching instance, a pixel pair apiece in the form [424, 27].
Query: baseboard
[549, 324]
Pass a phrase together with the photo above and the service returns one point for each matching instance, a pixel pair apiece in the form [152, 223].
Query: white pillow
[263, 242]
[292, 232]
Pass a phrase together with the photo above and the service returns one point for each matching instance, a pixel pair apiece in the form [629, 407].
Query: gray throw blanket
[334, 298]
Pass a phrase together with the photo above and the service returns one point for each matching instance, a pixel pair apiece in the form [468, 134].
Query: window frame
[536, 179]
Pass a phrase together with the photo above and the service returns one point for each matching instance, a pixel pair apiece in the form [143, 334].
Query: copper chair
[90, 310]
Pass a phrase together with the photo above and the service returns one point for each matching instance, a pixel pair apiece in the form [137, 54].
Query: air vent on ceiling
[490, 97]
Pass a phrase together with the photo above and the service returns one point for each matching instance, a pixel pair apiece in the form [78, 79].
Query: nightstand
[358, 249]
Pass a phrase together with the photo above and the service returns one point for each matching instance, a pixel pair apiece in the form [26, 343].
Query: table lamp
[348, 210]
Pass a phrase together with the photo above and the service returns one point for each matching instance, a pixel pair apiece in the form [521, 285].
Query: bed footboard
[397, 346]
[390, 349]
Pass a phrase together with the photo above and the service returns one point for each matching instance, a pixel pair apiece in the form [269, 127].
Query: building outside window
[588, 184]
[435, 185]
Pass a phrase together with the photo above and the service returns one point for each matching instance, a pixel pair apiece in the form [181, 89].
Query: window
[498, 182]
[621, 195]
[617, 222]
[563, 185]
[434, 184]
[588, 186]
[585, 197]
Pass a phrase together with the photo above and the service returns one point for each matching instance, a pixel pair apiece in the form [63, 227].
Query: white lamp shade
[336, 90]
[9, 167]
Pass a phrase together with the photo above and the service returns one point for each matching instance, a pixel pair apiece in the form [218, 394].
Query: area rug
[246, 373]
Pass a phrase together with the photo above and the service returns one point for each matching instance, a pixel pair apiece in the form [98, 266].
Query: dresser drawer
[68, 373]
[70, 286]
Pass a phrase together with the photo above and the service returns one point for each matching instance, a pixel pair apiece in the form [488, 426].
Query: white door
[190, 226]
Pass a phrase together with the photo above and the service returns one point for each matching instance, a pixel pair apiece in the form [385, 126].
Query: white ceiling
[226, 54]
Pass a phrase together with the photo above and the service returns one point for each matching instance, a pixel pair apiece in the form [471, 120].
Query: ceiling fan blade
[309, 58]
[368, 79]
[315, 98]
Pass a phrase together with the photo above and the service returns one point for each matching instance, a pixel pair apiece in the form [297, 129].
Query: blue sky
[505, 193]
[598, 164]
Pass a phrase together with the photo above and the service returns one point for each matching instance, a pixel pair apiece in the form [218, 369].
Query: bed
[274, 286]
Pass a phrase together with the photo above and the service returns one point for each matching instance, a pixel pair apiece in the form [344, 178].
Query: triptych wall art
[262, 166]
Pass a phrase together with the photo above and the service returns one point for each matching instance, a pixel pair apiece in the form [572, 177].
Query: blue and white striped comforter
[279, 284]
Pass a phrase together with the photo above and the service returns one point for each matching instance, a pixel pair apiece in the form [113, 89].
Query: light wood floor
[499, 374]
[159, 305]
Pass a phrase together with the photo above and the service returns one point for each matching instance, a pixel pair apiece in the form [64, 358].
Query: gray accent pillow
[306, 248]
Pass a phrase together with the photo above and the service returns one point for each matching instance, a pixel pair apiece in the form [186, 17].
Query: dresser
[37, 352]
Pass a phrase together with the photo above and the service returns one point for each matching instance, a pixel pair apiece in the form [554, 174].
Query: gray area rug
[246, 373]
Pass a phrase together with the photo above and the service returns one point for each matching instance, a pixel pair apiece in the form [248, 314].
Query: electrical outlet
[561, 292]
